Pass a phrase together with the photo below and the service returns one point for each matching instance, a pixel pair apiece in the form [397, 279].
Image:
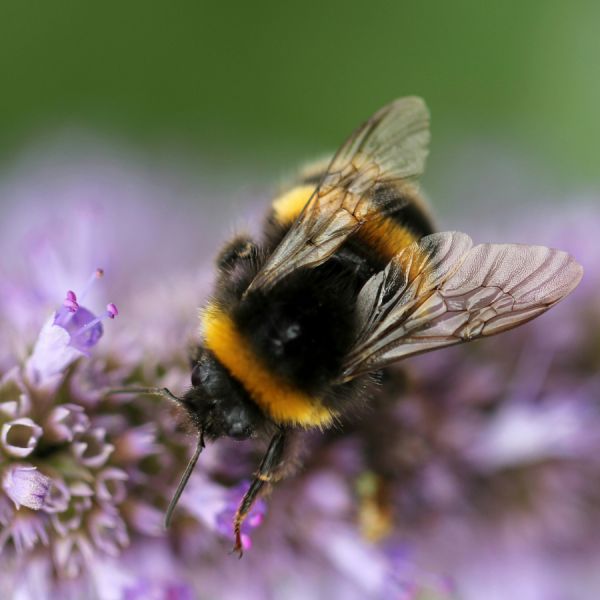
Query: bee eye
[199, 375]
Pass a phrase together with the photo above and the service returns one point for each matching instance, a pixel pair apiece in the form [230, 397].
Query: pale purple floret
[26, 486]
[108, 532]
[64, 422]
[52, 354]
[92, 449]
[454, 491]
[57, 501]
[136, 443]
[110, 486]
[72, 332]
[26, 530]
[19, 437]
[85, 329]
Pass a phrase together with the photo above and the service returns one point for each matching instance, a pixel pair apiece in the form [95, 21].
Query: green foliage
[247, 75]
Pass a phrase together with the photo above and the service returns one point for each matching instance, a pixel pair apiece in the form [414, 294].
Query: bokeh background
[260, 86]
[133, 134]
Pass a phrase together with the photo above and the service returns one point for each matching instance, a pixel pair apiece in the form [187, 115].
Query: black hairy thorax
[302, 328]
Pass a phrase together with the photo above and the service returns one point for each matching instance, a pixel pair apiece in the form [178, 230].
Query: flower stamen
[96, 275]
[70, 304]
[111, 312]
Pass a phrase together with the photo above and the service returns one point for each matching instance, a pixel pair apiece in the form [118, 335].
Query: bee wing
[387, 151]
[439, 292]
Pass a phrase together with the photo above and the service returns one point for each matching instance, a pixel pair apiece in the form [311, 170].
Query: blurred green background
[264, 84]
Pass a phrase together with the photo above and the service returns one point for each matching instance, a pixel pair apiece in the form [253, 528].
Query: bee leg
[241, 247]
[268, 471]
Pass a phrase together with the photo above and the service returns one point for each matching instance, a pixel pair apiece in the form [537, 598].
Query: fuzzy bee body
[348, 278]
[286, 345]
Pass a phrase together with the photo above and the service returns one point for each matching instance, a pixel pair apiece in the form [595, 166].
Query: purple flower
[473, 475]
[66, 336]
[25, 531]
[25, 486]
[136, 443]
[91, 448]
[64, 422]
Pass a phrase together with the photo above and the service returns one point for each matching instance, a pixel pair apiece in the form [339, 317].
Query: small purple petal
[17, 402]
[136, 443]
[19, 437]
[64, 422]
[25, 530]
[58, 498]
[25, 486]
[91, 448]
[52, 353]
[68, 520]
[108, 532]
[72, 554]
[80, 488]
[110, 485]
[85, 333]
[80, 502]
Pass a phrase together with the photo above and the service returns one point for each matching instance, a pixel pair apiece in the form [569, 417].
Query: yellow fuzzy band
[277, 398]
[290, 205]
[385, 235]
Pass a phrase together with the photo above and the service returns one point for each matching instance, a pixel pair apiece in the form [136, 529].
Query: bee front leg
[241, 247]
[269, 470]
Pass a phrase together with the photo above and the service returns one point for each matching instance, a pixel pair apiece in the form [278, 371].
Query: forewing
[439, 292]
[378, 165]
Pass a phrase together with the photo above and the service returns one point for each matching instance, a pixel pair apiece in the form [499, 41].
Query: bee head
[217, 404]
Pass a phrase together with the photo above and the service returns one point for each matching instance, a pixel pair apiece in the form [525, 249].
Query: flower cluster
[87, 469]
[473, 474]
[54, 459]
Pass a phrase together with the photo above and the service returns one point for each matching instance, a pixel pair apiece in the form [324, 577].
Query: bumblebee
[348, 278]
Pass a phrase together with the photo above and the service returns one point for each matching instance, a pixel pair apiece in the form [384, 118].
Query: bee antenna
[155, 391]
[185, 478]
[167, 394]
